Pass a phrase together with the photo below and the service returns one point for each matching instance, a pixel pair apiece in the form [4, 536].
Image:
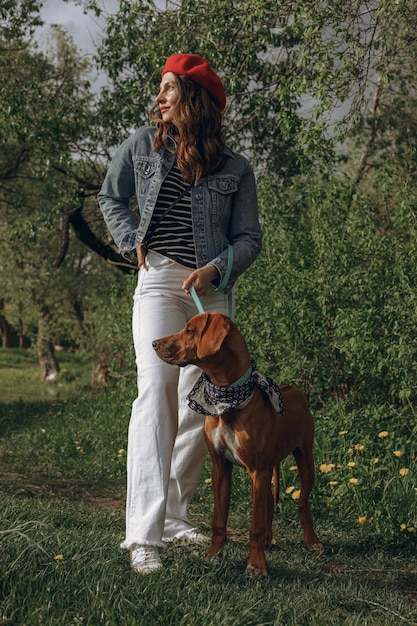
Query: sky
[85, 29]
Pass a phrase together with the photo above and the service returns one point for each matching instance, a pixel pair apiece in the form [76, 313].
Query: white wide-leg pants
[166, 446]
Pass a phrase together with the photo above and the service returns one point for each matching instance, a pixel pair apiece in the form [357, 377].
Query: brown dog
[256, 436]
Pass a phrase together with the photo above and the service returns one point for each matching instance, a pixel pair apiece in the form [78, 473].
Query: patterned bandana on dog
[208, 399]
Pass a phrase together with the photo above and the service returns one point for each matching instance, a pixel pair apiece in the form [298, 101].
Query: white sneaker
[145, 559]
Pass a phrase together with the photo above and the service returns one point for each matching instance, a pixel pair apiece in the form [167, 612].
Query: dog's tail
[276, 484]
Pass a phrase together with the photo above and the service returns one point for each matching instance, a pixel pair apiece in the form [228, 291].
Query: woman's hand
[141, 254]
[201, 279]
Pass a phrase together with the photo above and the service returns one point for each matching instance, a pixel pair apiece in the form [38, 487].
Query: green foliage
[45, 103]
[335, 306]
[108, 332]
[19, 18]
[295, 73]
[45, 117]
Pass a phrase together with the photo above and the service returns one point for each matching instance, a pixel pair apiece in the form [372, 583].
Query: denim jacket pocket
[221, 189]
[223, 184]
[145, 168]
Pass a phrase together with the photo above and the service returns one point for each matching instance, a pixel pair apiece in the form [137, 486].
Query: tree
[340, 249]
[244, 41]
[47, 123]
[19, 19]
[51, 168]
[44, 159]
[297, 73]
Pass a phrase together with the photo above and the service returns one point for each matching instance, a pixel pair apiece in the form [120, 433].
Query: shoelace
[148, 555]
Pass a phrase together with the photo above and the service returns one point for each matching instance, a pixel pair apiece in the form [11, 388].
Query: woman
[195, 199]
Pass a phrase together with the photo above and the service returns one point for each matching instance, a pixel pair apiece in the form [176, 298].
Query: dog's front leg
[261, 500]
[221, 475]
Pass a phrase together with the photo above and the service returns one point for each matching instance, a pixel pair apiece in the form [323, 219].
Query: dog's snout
[155, 344]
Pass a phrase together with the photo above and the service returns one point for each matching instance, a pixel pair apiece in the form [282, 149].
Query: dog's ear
[213, 334]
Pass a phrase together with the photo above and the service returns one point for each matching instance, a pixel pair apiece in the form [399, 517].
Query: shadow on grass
[20, 416]
[43, 487]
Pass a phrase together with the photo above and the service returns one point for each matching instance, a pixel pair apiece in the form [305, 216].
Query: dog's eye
[187, 331]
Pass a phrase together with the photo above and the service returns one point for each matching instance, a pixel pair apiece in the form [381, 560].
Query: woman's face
[168, 96]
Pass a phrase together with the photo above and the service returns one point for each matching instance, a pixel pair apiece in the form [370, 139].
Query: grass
[20, 376]
[62, 469]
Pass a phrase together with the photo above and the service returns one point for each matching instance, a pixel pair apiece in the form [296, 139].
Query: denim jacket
[224, 206]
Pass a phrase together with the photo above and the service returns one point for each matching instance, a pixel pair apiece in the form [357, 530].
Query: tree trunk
[21, 335]
[5, 332]
[46, 350]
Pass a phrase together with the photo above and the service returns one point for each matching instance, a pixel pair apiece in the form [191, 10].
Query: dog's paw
[216, 557]
[316, 546]
[252, 571]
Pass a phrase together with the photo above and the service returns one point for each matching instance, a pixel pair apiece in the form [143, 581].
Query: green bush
[331, 301]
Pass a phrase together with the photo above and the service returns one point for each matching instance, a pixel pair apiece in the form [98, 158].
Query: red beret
[199, 70]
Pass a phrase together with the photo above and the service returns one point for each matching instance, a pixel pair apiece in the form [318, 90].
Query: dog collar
[243, 378]
[209, 399]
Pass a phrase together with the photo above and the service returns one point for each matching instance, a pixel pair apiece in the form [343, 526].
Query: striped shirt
[173, 236]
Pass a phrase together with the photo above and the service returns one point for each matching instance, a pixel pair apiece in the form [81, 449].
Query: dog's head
[201, 337]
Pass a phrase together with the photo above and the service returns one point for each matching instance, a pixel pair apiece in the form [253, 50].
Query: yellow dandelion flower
[351, 464]
[362, 519]
[208, 481]
[353, 481]
[333, 483]
[410, 529]
[296, 494]
[351, 452]
[343, 432]
[358, 447]
[120, 453]
[403, 527]
[59, 557]
[326, 467]
[383, 434]
[293, 468]
[290, 489]
[375, 460]
[404, 471]
[398, 453]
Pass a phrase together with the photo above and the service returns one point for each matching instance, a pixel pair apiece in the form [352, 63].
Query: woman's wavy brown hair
[197, 131]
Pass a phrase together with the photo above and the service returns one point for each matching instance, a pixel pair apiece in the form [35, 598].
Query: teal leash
[199, 304]
[197, 300]
[228, 268]
[222, 285]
